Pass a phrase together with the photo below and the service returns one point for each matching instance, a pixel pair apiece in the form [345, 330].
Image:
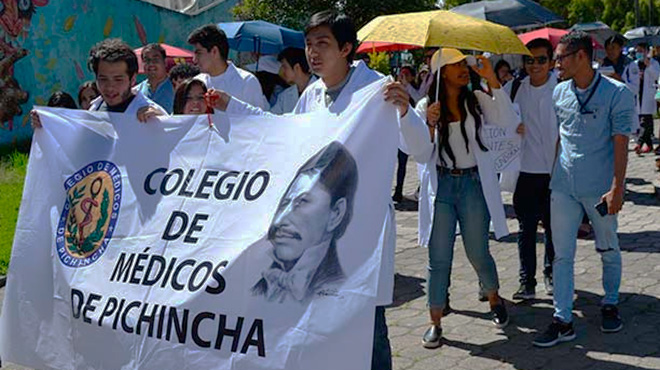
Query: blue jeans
[459, 199]
[566, 215]
[381, 356]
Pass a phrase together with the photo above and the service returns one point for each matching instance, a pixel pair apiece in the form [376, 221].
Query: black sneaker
[500, 316]
[556, 333]
[524, 293]
[549, 287]
[432, 336]
[612, 322]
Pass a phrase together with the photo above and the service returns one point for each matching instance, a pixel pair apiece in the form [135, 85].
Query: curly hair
[113, 51]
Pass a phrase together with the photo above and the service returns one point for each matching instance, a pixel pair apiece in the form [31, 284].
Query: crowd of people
[575, 122]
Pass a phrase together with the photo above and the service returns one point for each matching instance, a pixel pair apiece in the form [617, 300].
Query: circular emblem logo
[89, 215]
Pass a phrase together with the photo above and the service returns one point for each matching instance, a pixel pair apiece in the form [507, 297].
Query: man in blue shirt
[594, 114]
[157, 86]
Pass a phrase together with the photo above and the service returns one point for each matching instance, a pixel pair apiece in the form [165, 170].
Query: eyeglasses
[539, 60]
[560, 58]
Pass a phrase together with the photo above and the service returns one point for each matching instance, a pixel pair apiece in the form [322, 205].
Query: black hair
[644, 45]
[615, 39]
[501, 63]
[294, 56]
[113, 51]
[87, 85]
[154, 47]
[209, 36]
[340, 25]
[184, 71]
[181, 94]
[578, 40]
[467, 98]
[338, 173]
[62, 100]
[410, 69]
[541, 43]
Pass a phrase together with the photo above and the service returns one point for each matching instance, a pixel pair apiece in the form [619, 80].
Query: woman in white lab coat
[459, 184]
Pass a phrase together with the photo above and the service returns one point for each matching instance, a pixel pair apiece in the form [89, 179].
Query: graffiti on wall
[44, 46]
[15, 19]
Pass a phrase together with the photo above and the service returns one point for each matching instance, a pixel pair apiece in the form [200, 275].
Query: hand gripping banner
[250, 244]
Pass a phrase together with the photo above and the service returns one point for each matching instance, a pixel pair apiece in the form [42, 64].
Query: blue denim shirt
[585, 163]
[163, 96]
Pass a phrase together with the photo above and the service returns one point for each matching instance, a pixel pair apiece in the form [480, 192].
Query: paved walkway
[471, 342]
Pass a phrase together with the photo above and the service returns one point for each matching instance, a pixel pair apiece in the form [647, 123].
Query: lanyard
[583, 106]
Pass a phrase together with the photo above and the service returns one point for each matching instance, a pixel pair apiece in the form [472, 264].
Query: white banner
[252, 244]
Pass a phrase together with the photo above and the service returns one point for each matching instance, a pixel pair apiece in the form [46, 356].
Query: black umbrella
[514, 14]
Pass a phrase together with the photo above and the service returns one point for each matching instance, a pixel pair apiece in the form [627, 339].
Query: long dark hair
[467, 98]
[182, 92]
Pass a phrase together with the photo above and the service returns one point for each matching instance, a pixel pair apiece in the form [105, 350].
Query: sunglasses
[539, 60]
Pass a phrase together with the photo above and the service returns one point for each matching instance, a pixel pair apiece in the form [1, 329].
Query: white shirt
[288, 98]
[238, 83]
[462, 158]
[497, 110]
[539, 143]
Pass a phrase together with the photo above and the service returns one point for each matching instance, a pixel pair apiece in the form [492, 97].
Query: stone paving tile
[472, 342]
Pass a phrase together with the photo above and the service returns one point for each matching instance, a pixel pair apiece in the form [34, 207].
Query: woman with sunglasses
[461, 176]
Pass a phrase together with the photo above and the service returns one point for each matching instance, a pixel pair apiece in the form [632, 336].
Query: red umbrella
[370, 47]
[552, 34]
[174, 56]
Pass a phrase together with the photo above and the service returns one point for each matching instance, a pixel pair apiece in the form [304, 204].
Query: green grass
[12, 175]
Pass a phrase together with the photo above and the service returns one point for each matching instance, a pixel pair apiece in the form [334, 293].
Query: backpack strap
[514, 88]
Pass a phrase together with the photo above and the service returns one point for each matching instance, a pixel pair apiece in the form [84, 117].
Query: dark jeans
[646, 126]
[531, 202]
[400, 173]
[381, 356]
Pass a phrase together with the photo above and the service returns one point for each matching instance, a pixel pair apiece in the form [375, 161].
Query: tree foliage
[295, 13]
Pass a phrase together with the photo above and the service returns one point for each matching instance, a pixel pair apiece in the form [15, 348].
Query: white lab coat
[647, 101]
[288, 98]
[497, 110]
[138, 102]
[413, 139]
[238, 83]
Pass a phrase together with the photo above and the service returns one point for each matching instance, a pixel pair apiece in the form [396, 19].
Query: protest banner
[252, 243]
[504, 144]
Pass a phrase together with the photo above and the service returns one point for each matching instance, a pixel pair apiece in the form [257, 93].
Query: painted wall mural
[44, 46]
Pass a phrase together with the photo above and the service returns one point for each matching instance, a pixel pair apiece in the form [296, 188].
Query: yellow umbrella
[443, 29]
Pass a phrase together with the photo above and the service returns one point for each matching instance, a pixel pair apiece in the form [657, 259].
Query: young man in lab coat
[295, 71]
[211, 50]
[330, 40]
[649, 71]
